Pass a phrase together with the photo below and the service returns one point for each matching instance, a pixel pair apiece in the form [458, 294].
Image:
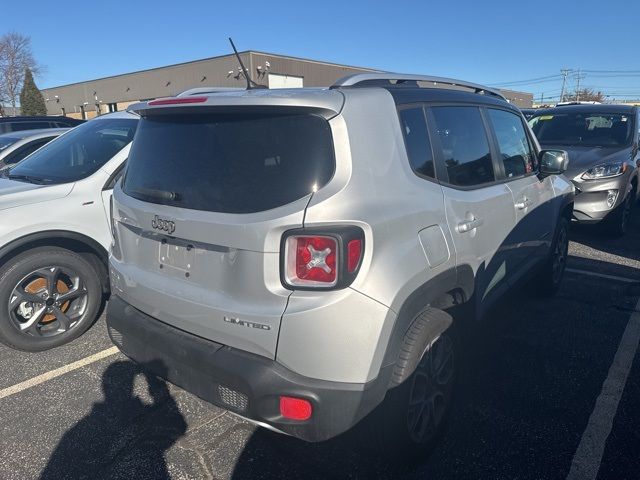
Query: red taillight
[311, 260]
[177, 100]
[354, 252]
[322, 258]
[295, 408]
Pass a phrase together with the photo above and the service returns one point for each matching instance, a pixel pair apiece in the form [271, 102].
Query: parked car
[16, 146]
[55, 233]
[293, 255]
[17, 124]
[602, 141]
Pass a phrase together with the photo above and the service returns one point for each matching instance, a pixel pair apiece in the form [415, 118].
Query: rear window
[19, 126]
[229, 163]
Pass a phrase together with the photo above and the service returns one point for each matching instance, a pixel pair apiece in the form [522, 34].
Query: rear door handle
[469, 225]
[523, 203]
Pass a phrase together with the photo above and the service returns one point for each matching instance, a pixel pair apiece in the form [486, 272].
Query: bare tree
[15, 57]
[585, 95]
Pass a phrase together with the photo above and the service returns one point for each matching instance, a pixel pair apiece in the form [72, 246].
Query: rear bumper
[244, 383]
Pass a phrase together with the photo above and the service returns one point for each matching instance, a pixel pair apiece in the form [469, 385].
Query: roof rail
[371, 79]
[205, 90]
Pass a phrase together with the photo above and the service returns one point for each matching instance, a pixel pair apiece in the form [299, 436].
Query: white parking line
[602, 275]
[32, 382]
[588, 457]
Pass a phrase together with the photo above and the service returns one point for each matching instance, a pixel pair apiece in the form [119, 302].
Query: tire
[552, 273]
[618, 222]
[408, 423]
[48, 297]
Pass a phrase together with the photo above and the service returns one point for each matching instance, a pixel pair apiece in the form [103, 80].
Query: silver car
[602, 141]
[294, 255]
[16, 146]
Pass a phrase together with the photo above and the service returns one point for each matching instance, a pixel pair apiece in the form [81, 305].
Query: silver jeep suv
[294, 255]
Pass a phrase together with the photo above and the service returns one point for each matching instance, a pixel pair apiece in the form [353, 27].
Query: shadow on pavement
[599, 238]
[529, 374]
[119, 437]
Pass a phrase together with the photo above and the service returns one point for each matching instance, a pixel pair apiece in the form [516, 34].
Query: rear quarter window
[229, 163]
[416, 137]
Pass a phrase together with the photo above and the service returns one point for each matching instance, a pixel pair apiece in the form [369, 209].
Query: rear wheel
[48, 297]
[413, 415]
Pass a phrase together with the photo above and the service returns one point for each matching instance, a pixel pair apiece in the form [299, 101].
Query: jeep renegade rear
[290, 255]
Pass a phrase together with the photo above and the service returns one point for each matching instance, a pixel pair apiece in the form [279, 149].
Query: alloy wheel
[48, 302]
[431, 391]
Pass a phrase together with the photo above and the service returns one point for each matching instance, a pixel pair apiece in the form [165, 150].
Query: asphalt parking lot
[540, 397]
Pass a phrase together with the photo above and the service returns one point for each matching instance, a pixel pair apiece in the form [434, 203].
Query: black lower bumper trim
[242, 382]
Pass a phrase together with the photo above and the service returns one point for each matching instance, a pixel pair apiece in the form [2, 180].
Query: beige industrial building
[85, 99]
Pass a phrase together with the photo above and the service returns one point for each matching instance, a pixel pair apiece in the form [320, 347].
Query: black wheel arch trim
[418, 340]
[17, 243]
[460, 279]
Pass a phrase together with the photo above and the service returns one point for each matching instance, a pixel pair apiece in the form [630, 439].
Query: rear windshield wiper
[158, 194]
[29, 178]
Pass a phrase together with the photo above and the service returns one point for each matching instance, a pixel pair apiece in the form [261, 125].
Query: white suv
[55, 234]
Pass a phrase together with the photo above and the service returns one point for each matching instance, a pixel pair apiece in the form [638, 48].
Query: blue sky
[487, 42]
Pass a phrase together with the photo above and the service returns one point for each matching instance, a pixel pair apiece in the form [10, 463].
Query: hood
[14, 193]
[583, 158]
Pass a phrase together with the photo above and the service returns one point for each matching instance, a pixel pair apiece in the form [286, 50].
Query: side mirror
[553, 162]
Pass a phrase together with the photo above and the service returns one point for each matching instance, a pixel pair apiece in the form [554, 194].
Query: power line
[565, 72]
[612, 71]
[528, 81]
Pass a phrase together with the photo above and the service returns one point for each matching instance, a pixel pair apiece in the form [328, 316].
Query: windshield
[7, 142]
[583, 129]
[77, 154]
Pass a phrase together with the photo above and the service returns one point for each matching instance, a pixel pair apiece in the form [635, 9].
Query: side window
[515, 150]
[25, 151]
[416, 137]
[465, 147]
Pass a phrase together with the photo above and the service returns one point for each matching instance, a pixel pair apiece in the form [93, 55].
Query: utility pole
[579, 77]
[565, 72]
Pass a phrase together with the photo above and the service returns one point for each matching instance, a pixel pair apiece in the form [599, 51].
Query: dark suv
[16, 124]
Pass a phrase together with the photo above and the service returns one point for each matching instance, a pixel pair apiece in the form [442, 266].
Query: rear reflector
[177, 101]
[295, 408]
[354, 252]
